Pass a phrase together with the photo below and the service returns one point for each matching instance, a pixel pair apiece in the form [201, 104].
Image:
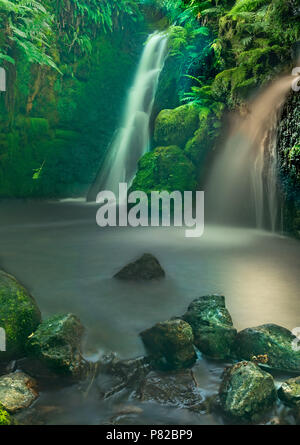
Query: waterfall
[242, 187]
[131, 141]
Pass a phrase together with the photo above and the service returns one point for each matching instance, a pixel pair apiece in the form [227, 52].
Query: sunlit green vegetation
[69, 64]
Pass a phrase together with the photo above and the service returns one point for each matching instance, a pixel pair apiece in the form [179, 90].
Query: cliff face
[289, 159]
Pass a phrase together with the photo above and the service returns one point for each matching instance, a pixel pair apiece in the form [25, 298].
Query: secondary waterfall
[243, 183]
[131, 141]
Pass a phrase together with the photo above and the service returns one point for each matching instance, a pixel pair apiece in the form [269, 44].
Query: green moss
[166, 168]
[171, 344]
[269, 56]
[19, 315]
[5, 418]
[175, 127]
[57, 344]
[198, 147]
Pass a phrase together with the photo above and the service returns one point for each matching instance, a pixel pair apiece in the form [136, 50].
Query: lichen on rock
[170, 343]
[212, 326]
[246, 390]
[57, 345]
[270, 339]
[17, 391]
[289, 392]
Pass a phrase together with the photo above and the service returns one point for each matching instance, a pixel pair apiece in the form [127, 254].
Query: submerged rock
[19, 315]
[246, 390]
[17, 391]
[117, 375]
[177, 126]
[57, 344]
[274, 341]
[171, 344]
[171, 389]
[212, 326]
[145, 268]
[289, 392]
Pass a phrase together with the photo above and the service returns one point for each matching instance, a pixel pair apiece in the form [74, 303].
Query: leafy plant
[27, 28]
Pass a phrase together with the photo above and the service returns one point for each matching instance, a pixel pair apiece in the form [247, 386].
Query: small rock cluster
[51, 349]
[46, 349]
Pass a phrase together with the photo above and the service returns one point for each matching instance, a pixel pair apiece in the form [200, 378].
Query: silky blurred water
[67, 262]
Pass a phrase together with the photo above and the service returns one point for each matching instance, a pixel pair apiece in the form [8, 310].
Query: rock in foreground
[17, 391]
[274, 341]
[19, 315]
[145, 268]
[289, 392]
[57, 345]
[171, 344]
[171, 389]
[212, 326]
[246, 390]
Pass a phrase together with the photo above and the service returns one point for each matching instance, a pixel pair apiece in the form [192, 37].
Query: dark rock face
[212, 326]
[171, 344]
[274, 341]
[289, 162]
[19, 315]
[289, 392]
[171, 389]
[57, 345]
[17, 391]
[145, 268]
[246, 390]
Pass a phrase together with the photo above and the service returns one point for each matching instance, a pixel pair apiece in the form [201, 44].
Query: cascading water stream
[131, 141]
[242, 187]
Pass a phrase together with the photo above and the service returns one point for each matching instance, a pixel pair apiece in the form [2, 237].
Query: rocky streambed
[256, 370]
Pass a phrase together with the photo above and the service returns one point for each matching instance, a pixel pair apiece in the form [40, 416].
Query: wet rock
[57, 345]
[274, 341]
[17, 391]
[246, 390]
[116, 375]
[19, 315]
[176, 389]
[171, 344]
[212, 326]
[289, 392]
[145, 268]
[177, 126]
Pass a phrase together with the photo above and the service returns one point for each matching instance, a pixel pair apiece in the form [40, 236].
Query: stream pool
[67, 262]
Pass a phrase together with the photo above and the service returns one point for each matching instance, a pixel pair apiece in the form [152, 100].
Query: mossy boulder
[19, 315]
[177, 126]
[246, 390]
[57, 345]
[212, 326]
[5, 418]
[145, 268]
[203, 140]
[165, 168]
[289, 392]
[274, 341]
[170, 343]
